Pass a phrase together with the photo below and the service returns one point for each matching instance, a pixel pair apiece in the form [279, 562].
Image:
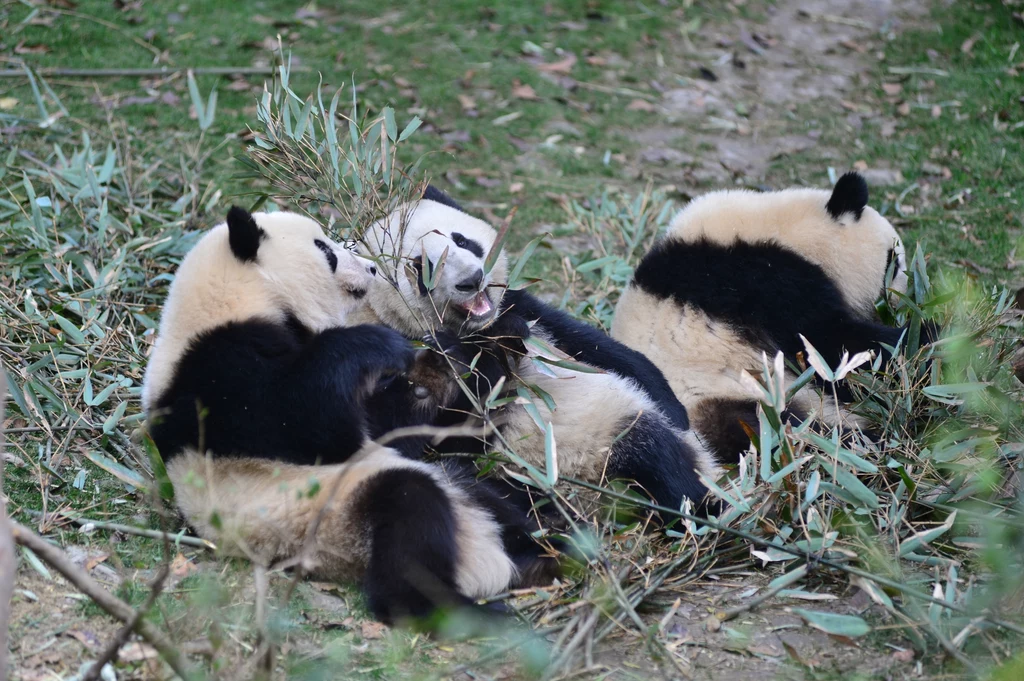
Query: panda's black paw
[392, 351]
[444, 342]
[509, 332]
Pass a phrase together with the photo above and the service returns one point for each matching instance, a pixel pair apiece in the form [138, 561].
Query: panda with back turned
[740, 273]
[257, 395]
[616, 419]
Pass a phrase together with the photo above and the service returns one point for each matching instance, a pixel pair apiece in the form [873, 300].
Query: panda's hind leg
[412, 570]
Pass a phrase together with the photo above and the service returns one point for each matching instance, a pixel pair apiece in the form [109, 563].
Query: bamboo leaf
[850, 626]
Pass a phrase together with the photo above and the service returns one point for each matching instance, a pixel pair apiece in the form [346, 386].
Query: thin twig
[7, 564]
[145, 73]
[156, 587]
[110, 603]
[129, 529]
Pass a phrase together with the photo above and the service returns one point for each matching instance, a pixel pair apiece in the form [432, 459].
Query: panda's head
[278, 267]
[437, 252]
[835, 230]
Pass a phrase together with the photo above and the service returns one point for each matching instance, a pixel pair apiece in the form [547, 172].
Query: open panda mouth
[478, 307]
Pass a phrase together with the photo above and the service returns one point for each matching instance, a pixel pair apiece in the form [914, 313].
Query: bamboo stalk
[155, 71]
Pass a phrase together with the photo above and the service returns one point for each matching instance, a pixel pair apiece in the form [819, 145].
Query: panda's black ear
[432, 193]
[244, 234]
[850, 195]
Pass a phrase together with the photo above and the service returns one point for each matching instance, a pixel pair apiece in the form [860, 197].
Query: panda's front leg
[666, 463]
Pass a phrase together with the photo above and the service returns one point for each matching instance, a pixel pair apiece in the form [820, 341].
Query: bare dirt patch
[736, 109]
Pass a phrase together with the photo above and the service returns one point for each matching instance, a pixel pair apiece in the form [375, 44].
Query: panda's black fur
[650, 442]
[257, 398]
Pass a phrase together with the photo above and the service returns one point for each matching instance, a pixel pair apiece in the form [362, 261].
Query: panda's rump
[264, 510]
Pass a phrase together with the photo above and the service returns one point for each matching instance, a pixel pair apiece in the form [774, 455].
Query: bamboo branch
[127, 529]
[110, 603]
[155, 71]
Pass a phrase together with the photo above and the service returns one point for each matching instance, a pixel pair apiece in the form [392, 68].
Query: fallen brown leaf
[640, 105]
[467, 102]
[372, 630]
[182, 566]
[522, 91]
[892, 89]
[860, 165]
[137, 652]
[968, 45]
[25, 48]
[905, 655]
[515, 187]
[596, 61]
[561, 66]
[853, 45]
[903, 109]
[93, 562]
[87, 638]
[8, 103]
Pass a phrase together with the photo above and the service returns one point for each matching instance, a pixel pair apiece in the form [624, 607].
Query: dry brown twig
[155, 589]
[113, 605]
[6, 547]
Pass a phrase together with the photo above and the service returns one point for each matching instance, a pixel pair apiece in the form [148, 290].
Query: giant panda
[615, 419]
[740, 273]
[255, 395]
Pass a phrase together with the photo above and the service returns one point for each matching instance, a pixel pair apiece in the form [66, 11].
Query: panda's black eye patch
[332, 258]
[468, 244]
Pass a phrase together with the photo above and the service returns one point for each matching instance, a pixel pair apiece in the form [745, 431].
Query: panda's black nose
[471, 283]
[372, 270]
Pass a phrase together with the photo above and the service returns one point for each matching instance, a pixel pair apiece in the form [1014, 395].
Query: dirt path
[765, 90]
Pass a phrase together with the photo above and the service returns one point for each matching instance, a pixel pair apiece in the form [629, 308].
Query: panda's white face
[835, 230]
[259, 266]
[315, 279]
[430, 238]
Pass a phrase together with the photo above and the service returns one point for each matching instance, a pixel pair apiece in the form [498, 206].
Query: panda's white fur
[592, 408]
[273, 286]
[739, 244]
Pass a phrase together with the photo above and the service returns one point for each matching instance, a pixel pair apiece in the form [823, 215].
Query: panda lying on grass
[741, 273]
[256, 395]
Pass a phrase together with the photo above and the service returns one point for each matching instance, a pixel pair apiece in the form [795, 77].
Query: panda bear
[741, 273]
[256, 394]
[613, 416]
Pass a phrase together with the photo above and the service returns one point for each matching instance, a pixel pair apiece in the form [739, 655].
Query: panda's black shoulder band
[244, 234]
[850, 195]
[432, 193]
